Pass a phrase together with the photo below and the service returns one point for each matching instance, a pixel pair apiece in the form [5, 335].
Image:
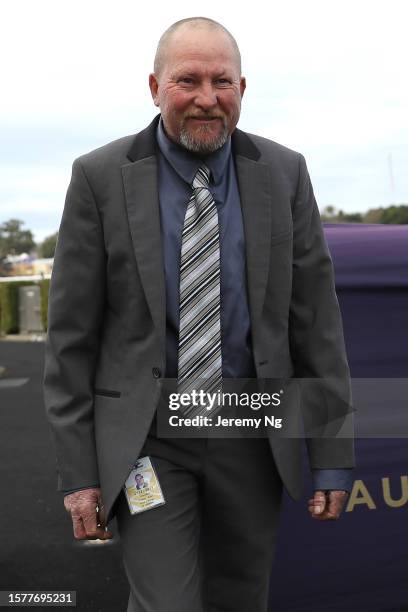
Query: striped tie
[199, 356]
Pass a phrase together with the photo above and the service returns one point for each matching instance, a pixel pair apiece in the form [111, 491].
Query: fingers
[87, 513]
[317, 504]
[328, 509]
[89, 518]
[86, 525]
[78, 528]
[337, 500]
[100, 513]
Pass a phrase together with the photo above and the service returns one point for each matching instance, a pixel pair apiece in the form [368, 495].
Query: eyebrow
[191, 73]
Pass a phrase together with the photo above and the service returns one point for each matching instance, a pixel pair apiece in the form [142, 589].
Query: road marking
[13, 382]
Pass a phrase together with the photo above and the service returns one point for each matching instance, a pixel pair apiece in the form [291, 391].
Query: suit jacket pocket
[107, 392]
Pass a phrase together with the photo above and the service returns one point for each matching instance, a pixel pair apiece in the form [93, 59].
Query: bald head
[186, 26]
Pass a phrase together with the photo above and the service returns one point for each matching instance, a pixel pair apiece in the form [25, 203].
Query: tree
[329, 213]
[14, 240]
[395, 214]
[47, 247]
[355, 217]
[373, 215]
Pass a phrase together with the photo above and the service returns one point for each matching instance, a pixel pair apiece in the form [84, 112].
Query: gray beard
[195, 145]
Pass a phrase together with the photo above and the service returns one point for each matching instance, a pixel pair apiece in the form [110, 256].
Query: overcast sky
[326, 78]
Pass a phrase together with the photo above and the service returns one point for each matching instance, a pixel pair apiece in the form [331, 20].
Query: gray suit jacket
[105, 346]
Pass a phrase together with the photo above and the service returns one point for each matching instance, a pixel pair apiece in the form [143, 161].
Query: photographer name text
[206, 421]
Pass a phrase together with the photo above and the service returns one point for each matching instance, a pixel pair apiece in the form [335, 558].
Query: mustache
[205, 116]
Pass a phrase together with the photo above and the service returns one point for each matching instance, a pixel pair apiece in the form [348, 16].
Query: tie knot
[202, 178]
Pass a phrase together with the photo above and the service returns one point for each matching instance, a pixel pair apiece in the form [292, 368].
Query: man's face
[199, 88]
[139, 480]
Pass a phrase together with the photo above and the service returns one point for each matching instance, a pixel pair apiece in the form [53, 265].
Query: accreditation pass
[142, 487]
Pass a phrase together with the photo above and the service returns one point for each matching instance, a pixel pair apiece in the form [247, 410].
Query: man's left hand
[327, 505]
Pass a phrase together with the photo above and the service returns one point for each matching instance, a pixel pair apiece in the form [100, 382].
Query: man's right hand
[88, 523]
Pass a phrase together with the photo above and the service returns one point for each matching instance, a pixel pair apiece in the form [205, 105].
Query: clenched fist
[87, 513]
[326, 506]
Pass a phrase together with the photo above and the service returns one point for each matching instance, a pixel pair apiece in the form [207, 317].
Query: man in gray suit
[192, 249]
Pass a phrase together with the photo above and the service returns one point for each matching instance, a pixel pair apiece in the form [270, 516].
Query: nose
[206, 97]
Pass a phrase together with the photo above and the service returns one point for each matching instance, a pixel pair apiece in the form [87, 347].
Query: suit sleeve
[75, 314]
[316, 338]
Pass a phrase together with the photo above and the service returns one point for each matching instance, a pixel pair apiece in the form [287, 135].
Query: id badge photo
[142, 487]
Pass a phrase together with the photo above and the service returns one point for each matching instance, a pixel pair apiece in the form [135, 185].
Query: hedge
[9, 314]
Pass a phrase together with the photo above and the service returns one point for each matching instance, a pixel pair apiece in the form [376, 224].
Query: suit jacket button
[156, 372]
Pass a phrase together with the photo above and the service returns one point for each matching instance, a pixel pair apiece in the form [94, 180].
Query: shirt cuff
[69, 491]
[333, 480]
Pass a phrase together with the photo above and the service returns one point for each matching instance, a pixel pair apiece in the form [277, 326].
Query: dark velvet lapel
[141, 190]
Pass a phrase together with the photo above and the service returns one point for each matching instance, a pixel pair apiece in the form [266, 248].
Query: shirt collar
[186, 163]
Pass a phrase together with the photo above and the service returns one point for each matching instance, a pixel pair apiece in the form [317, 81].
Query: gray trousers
[210, 547]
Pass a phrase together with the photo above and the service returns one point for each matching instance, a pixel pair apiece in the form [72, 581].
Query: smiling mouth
[205, 118]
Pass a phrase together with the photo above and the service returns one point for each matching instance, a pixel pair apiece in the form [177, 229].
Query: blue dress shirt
[177, 168]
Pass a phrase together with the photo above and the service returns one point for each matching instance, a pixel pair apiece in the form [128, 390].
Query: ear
[242, 85]
[154, 88]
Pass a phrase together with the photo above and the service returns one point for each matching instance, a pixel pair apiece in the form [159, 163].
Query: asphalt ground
[37, 549]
